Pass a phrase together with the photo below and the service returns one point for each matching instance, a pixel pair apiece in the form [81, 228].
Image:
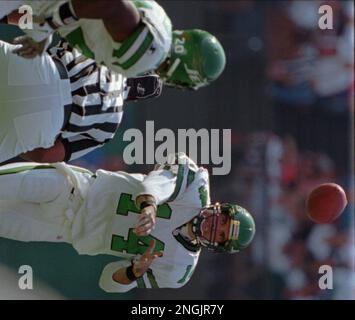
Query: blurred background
[287, 94]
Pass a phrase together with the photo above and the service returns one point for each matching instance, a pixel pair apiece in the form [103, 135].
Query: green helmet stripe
[127, 44]
[173, 67]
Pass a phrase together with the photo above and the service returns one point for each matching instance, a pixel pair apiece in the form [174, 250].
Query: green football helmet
[241, 230]
[196, 59]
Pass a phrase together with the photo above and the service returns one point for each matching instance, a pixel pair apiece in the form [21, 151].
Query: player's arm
[120, 17]
[138, 267]
[56, 153]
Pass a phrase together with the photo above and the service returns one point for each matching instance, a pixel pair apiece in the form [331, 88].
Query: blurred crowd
[309, 83]
[312, 81]
[297, 246]
[311, 74]
[272, 177]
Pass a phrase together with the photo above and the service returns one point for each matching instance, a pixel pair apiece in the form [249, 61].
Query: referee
[61, 105]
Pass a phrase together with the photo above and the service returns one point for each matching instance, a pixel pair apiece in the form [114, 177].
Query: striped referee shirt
[98, 96]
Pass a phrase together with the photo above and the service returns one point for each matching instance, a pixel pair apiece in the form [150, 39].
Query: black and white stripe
[98, 94]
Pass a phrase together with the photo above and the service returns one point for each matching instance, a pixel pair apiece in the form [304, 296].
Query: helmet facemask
[241, 228]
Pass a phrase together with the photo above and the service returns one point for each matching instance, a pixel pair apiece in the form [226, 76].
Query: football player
[129, 37]
[62, 105]
[157, 222]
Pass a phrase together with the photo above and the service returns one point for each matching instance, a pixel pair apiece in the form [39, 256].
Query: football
[326, 202]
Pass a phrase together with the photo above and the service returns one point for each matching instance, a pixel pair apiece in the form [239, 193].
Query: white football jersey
[142, 52]
[105, 222]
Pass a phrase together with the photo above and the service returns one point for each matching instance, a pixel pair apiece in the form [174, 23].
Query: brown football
[326, 202]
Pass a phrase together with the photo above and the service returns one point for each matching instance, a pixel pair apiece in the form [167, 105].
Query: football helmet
[196, 58]
[241, 230]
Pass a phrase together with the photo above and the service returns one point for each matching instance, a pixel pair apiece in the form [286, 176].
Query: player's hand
[144, 87]
[141, 265]
[29, 48]
[146, 221]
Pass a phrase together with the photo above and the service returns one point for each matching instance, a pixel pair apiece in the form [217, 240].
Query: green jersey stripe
[140, 283]
[151, 278]
[80, 169]
[179, 179]
[142, 4]
[127, 44]
[23, 168]
[185, 276]
[190, 177]
[76, 40]
[139, 53]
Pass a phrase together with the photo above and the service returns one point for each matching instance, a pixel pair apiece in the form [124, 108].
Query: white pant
[32, 97]
[36, 203]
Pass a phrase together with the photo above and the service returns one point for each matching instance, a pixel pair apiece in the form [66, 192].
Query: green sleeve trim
[190, 177]
[187, 274]
[142, 4]
[80, 169]
[140, 283]
[203, 194]
[179, 179]
[23, 168]
[76, 40]
[127, 44]
[152, 280]
[138, 54]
